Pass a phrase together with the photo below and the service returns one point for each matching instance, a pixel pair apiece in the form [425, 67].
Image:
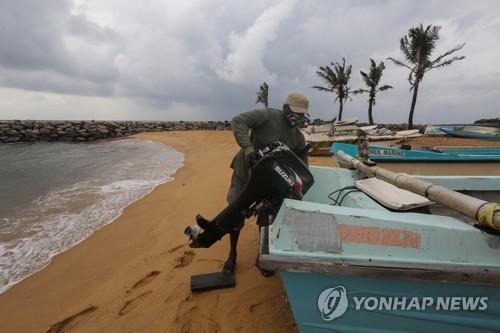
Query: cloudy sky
[204, 59]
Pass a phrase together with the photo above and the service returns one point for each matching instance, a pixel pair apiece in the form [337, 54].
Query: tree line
[417, 48]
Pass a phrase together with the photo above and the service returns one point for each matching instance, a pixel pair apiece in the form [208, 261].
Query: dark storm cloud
[211, 56]
[47, 48]
[29, 34]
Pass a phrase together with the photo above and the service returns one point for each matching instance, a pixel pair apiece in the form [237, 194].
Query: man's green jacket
[267, 126]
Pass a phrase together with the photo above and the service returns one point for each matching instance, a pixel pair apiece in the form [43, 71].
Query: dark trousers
[237, 185]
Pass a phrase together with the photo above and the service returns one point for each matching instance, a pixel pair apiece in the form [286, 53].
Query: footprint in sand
[190, 318]
[175, 248]
[133, 303]
[70, 322]
[184, 260]
[172, 249]
[144, 281]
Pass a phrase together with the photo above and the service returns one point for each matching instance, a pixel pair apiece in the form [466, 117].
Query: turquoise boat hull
[469, 134]
[472, 151]
[391, 154]
[373, 254]
[303, 301]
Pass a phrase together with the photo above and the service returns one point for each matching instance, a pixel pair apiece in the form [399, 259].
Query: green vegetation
[417, 48]
[263, 95]
[337, 80]
[372, 81]
[488, 121]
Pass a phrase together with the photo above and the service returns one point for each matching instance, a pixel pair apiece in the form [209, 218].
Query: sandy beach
[133, 275]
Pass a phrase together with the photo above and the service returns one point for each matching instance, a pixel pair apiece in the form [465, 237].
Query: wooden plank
[391, 196]
[403, 271]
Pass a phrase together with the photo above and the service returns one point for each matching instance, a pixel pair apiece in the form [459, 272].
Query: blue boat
[392, 154]
[476, 132]
[469, 150]
[349, 264]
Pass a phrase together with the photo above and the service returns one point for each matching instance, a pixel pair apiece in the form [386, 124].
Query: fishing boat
[434, 130]
[350, 121]
[332, 127]
[392, 154]
[469, 150]
[351, 264]
[321, 137]
[320, 143]
[478, 132]
[408, 134]
[315, 129]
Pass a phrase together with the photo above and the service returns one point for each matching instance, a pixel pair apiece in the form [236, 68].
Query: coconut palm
[372, 80]
[337, 80]
[417, 48]
[262, 94]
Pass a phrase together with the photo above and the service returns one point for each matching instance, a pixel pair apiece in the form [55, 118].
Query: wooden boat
[408, 134]
[333, 127]
[350, 121]
[316, 129]
[368, 128]
[478, 132]
[391, 154]
[434, 130]
[321, 137]
[349, 264]
[320, 143]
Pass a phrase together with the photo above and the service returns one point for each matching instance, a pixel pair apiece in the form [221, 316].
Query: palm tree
[336, 80]
[372, 80]
[262, 94]
[417, 48]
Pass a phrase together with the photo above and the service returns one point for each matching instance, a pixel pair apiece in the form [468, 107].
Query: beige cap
[297, 102]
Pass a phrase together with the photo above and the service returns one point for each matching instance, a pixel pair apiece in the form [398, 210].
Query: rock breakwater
[79, 131]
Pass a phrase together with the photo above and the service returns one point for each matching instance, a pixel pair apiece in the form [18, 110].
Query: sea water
[54, 195]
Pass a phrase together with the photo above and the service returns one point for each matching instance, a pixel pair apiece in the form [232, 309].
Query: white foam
[65, 217]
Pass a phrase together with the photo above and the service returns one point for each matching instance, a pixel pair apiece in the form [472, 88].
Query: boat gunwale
[489, 276]
[438, 272]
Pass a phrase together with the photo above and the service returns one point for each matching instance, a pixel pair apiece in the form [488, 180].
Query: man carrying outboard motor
[259, 134]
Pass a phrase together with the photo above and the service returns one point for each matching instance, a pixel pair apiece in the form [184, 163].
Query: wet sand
[133, 275]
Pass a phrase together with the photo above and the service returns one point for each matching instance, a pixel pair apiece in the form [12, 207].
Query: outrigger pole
[486, 213]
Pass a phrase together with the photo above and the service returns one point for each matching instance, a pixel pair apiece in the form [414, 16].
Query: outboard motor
[277, 174]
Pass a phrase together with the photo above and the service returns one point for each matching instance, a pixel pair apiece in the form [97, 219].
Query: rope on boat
[486, 213]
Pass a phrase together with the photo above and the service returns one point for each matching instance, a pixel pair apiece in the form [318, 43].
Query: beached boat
[331, 128]
[321, 137]
[408, 134]
[478, 132]
[469, 150]
[316, 129]
[320, 143]
[349, 264]
[350, 121]
[392, 154]
[434, 130]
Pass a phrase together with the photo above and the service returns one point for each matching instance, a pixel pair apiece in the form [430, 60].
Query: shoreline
[133, 274]
[116, 210]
